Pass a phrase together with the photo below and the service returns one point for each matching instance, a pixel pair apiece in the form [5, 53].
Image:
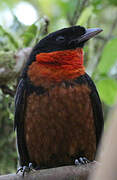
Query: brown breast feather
[59, 126]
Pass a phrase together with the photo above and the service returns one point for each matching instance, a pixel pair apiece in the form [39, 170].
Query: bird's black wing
[96, 105]
[97, 109]
[20, 102]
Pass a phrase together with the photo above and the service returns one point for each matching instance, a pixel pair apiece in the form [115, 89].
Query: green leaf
[112, 2]
[96, 3]
[107, 89]
[85, 15]
[48, 7]
[67, 6]
[12, 40]
[109, 57]
[29, 34]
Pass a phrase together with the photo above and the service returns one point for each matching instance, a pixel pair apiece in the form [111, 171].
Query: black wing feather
[20, 100]
[97, 109]
[96, 105]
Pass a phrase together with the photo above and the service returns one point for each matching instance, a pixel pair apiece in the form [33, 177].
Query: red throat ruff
[66, 57]
[57, 66]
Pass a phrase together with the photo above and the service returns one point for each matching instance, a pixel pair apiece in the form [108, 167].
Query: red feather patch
[56, 66]
[66, 57]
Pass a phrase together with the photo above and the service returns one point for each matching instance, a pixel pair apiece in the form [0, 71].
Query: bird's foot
[81, 160]
[25, 169]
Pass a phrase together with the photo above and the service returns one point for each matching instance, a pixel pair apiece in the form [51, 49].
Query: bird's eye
[60, 39]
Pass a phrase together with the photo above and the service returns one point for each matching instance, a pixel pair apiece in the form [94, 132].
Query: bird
[58, 113]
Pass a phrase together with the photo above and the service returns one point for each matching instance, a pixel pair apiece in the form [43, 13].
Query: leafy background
[17, 37]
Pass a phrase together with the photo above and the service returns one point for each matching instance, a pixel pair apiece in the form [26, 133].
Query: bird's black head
[67, 38]
[64, 39]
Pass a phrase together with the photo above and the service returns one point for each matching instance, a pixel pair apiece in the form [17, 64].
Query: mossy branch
[11, 65]
[61, 173]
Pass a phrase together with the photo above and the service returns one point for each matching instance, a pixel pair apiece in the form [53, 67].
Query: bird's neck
[57, 66]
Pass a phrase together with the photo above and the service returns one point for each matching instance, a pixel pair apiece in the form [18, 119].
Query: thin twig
[77, 12]
[107, 38]
[45, 26]
[112, 28]
[101, 38]
[7, 91]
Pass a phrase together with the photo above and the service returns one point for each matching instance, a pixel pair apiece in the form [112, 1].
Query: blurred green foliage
[109, 57]
[29, 35]
[100, 53]
[8, 156]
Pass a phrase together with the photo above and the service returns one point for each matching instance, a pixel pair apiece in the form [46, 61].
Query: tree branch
[8, 72]
[61, 173]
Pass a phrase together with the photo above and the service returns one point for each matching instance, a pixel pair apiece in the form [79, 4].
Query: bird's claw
[81, 160]
[25, 169]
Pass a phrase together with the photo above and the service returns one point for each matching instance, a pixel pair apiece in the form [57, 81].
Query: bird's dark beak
[89, 34]
[74, 43]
